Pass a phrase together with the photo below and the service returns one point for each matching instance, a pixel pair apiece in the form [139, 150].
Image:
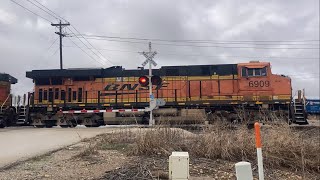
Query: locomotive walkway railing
[102, 111]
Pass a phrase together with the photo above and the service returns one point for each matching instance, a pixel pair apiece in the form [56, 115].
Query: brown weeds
[282, 146]
[159, 141]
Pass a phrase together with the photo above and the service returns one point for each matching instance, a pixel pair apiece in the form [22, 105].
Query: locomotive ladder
[22, 110]
[299, 112]
[21, 115]
[1, 115]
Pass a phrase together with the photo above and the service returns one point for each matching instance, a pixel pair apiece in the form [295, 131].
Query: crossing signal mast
[145, 81]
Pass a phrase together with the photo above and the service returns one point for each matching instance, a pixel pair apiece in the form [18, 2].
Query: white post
[260, 164]
[259, 150]
[149, 55]
[243, 171]
[150, 93]
[150, 87]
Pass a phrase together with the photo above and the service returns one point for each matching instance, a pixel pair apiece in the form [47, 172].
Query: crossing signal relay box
[179, 166]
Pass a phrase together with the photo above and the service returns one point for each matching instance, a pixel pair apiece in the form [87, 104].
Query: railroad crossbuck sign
[149, 58]
[143, 81]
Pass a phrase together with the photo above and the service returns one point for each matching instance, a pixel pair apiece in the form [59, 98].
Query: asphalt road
[21, 143]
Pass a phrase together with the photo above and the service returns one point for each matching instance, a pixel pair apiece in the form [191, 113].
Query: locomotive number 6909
[259, 83]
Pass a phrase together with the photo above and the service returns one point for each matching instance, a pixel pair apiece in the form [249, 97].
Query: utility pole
[150, 55]
[61, 35]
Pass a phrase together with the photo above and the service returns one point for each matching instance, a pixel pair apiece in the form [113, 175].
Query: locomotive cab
[254, 80]
[257, 82]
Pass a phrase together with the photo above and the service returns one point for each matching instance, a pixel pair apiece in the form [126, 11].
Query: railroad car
[313, 106]
[7, 111]
[191, 92]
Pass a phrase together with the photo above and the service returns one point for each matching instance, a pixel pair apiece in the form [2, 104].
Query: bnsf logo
[131, 87]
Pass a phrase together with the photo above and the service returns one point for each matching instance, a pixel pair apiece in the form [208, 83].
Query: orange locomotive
[6, 110]
[189, 91]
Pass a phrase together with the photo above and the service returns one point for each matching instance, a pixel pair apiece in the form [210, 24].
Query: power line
[305, 73]
[192, 45]
[304, 78]
[55, 15]
[195, 40]
[86, 52]
[86, 45]
[52, 13]
[201, 55]
[30, 11]
[55, 52]
[91, 46]
[41, 8]
[52, 43]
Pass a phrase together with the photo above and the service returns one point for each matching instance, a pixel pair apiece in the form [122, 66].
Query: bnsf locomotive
[194, 92]
[7, 111]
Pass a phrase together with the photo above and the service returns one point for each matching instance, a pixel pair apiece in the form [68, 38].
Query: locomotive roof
[118, 71]
[7, 78]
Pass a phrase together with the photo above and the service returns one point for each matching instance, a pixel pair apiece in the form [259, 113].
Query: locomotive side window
[74, 95]
[80, 95]
[45, 95]
[40, 95]
[257, 72]
[63, 95]
[244, 72]
[50, 95]
[69, 95]
[56, 93]
[251, 72]
[264, 71]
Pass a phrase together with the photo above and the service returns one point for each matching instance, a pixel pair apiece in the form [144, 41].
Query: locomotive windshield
[253, 72]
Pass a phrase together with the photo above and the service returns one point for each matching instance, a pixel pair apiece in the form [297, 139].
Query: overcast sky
[29, 42]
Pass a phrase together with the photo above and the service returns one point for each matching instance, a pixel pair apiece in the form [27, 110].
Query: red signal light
[156, 80]
[144, 81]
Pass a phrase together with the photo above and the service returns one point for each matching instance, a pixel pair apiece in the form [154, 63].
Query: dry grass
[159, 141]
[88, 152]
[282, 146]
[287, 147]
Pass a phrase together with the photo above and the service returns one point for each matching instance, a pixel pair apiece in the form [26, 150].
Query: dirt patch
[143, 154]
[68, 163]
[200, 168]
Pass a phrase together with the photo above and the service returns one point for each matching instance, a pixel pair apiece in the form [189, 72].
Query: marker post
[259, 150]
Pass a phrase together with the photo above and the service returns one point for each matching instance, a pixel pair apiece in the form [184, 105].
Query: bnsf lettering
[162, 85]
[112, 87]
[130, 87]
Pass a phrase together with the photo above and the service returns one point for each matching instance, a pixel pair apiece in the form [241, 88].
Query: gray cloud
[25, 38]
